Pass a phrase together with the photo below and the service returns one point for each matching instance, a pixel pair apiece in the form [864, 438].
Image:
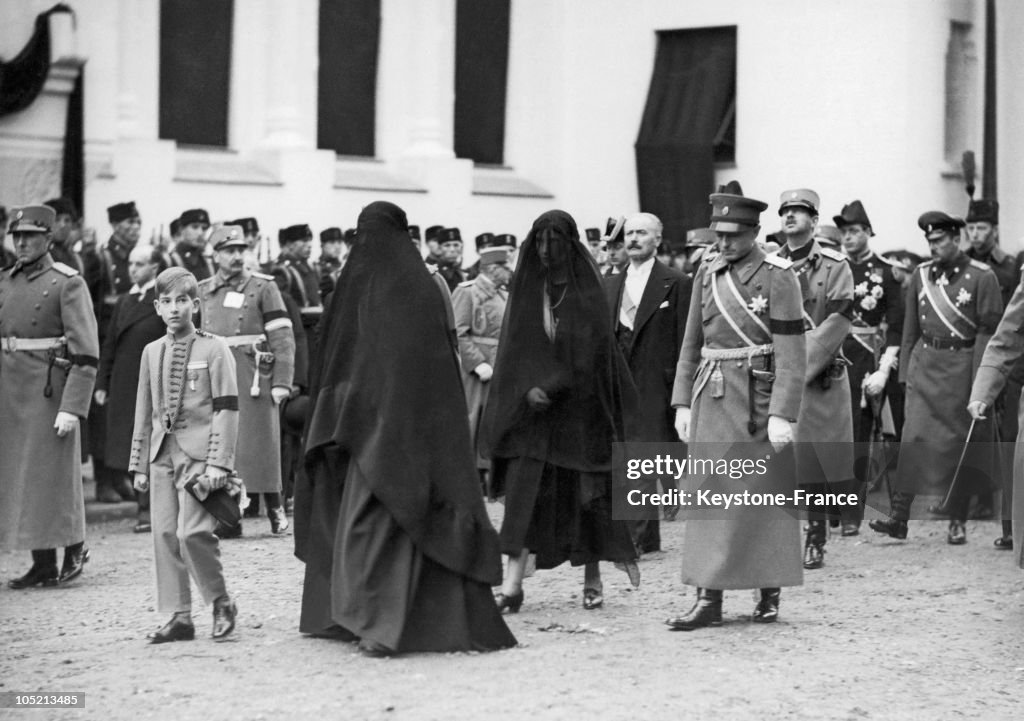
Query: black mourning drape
[481, 73]
[72, 181]
[688, 125]
[22, 77]
[347, 87]
[195, 70]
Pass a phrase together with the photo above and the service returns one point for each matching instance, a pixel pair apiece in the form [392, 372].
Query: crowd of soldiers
[804, 335]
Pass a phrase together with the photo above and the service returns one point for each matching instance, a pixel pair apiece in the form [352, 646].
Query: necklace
[171, 418]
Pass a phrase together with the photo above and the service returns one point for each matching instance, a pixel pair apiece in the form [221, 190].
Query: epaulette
[778, 261]
[466, 284]
[926, 263]
[207, 281]
[261, 276]
[833, 254]
[977, 264]
[64, 269]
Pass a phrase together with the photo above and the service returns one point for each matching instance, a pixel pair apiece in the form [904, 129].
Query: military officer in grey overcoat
[48, 359]
[479, 307]
[740, 380]
[953, 307]
[824, 431]
[247, 310]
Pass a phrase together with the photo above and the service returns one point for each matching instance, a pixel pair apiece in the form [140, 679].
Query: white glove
[780, 432]
[141, 482]
[100, 397]
[65, 423]
[484, 372]
[977, 410]
[683, 423]
[874, 384]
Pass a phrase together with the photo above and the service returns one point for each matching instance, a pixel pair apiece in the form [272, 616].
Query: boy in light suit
[186, 423]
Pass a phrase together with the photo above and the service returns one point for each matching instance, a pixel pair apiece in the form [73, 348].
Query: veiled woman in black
[555, 408]
[398, 547]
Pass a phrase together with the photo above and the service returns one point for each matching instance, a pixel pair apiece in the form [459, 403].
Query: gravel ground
[887, 630]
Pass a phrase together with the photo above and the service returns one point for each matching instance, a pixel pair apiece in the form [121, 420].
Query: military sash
[739, 306]
[930, 291]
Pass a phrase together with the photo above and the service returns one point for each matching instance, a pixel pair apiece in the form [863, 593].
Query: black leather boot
[224, 613]
[814, 545]
[891, 527]
[706, 612]
[767, 609]
[75, 557]
[43, 571]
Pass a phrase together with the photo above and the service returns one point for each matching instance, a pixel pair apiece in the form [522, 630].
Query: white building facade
[866, 99]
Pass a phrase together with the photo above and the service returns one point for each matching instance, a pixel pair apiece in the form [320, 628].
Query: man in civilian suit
[649, 302]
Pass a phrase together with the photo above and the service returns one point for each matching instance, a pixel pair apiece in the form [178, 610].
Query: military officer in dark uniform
[484, 240]
[450, 241]
[48, 359]
[700, 245]
[740, 378]
[106, 273]
[432, 236]
[333, 252]
[824, 431]
[873, 345]
[190, 252]
[303, 278]
[247, 310]
[983, 236]
[66, 233]
[6, 256]
[952, 308]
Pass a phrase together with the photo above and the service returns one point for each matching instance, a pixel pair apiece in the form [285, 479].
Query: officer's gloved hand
[141, 483]
[874, 384]
[484, 372]
[780, 432]
[65, 423]
[683, 423]
[977, 410]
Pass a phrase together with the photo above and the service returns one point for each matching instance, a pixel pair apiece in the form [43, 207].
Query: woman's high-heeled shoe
[512, 602]
[592, 598]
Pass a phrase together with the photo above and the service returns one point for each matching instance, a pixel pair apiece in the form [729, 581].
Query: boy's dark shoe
[179, 628]
[224, 612]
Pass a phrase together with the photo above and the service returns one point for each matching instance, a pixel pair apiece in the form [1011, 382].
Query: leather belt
[12, 343]
[947, 343]
[237, 340]
[863, 330]
[743, 353]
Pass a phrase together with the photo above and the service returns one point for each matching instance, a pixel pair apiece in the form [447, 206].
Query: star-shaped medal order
[758, 304]
[963, 297]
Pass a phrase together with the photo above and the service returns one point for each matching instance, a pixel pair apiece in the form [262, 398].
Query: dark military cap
[853, 212]
[506, 239]
[450, 235]
[350, 235]
[731, 212]
[614, 230]
[593, 234]
[828, 235]
[196, 215]
[226, 236]
[122, 211]
[980, 211]
[936, 224]
[32, 219]
[433, 232]
[63, 206]
[294, 233]
[414, 232]
[175, 226]
[249, 225]
[801, 197]
[700, 238]
[331, 235]
[485, 240]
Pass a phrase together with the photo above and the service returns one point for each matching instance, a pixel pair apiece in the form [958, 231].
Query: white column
[292, 50]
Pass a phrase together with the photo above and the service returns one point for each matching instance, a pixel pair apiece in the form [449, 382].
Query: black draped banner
[347, 88]
[22, 77]
[481, 74]
[688, 125]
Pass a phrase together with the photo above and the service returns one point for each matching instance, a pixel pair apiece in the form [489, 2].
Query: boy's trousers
[183, 541]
